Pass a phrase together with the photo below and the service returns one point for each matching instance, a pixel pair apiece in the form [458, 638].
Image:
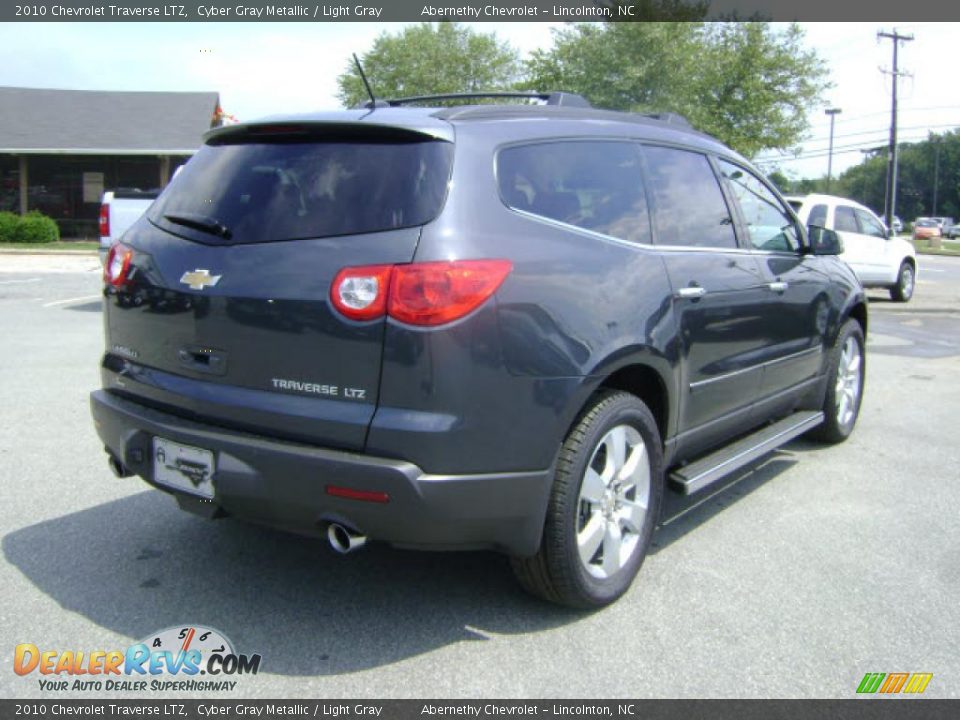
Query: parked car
[897, 225]
[878, 259]
[924, 229]
[943, 222]
[492, 326]
[119, 209]
[952, 232]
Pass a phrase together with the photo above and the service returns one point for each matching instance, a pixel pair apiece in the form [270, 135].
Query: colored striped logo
[891, 683]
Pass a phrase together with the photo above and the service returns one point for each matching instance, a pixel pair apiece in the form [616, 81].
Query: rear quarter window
[597, 185]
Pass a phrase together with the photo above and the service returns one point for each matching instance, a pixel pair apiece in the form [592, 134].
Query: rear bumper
[282, 484]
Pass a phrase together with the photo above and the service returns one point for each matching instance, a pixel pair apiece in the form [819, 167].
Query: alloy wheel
[849, 381]
[613, 501]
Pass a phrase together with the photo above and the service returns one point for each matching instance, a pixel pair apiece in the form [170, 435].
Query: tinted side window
[845, 220]
[870, 225]
[690, 208]
[818, 215]
[769, 225]
[593, 185]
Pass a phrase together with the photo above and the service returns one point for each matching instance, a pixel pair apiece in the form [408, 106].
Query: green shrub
[8, 226]
[35, 227]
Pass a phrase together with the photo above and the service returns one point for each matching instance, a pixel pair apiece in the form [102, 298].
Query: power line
[842, 150]
[884, 130]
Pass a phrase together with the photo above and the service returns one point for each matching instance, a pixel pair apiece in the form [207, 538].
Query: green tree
[918, 168]
[430, 59]
[746, 83]
[777, 177]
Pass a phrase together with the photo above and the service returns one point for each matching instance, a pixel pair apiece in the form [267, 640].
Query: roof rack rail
[551, 98]
[671, 118]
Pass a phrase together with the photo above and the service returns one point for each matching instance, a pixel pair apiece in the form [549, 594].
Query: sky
[268, 68]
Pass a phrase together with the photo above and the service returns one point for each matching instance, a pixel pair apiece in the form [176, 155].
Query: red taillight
[426, 294]
[105, 220]
[351, 494]
[116, 270]
[435, 293]
[360, 293]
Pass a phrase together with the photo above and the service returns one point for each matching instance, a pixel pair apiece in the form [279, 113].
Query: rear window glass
[260, 192]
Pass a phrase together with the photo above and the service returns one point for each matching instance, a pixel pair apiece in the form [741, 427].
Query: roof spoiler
[549, 98]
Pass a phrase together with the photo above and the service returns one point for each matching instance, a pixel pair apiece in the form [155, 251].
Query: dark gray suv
[484, 326]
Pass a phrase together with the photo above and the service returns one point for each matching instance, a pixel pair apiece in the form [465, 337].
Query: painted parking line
[68, 301]
[14, 282]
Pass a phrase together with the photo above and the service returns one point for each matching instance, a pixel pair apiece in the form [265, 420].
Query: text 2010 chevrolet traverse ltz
[489, 326]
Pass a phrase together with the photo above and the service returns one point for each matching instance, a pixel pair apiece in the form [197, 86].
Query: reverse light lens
[435, 293]
[116, 271]
[360, 293]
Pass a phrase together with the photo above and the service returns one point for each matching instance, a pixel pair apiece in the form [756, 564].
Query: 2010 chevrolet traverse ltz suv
[488, 326]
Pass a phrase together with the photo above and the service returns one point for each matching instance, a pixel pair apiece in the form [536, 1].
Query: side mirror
[824, 241]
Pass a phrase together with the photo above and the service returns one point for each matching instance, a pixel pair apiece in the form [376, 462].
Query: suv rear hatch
[224, 312]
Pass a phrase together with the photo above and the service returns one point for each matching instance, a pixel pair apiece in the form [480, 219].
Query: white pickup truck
[119, 209]
[878, 259]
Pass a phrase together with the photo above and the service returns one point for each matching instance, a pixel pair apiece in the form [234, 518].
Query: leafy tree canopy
[746, 83]
[429, 59]
[928, 178]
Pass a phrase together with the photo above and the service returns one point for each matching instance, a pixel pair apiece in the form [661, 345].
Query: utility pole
[936, 173]
[832, 112]
[890, 203]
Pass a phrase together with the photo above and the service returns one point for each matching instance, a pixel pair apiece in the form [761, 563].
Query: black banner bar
[859, 709]
[473, 10]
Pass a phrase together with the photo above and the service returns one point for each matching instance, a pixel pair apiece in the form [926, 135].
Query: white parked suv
[877, 259]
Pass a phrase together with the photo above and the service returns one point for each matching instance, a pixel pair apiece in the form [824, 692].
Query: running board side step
[710, 468]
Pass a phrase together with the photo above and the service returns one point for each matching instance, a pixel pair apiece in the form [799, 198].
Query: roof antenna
[374, 103]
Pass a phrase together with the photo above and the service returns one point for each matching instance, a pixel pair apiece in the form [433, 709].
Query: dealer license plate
[183, 467]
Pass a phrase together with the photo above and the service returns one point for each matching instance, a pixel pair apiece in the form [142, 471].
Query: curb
[40, 251]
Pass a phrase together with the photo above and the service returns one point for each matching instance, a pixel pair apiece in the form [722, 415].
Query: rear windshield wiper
[200, 222]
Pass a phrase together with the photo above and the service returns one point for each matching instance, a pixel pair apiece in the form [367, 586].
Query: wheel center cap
[609, 503]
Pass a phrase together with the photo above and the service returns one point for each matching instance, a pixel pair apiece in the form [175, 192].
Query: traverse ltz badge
[199, 279]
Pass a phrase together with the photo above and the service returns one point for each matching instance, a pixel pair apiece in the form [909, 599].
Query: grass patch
[947, 247]
[87, 245]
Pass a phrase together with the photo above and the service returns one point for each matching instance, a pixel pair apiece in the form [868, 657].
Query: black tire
[906, 281]
[557, 573]
[838, 425]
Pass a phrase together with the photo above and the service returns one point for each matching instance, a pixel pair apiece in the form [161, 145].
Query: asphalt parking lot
[797, 577]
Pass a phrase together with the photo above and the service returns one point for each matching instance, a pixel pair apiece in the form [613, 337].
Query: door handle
[693, 292]
[778, 286]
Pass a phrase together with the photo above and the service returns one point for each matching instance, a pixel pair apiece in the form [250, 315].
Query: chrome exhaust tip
[344, 540]
[118, 468]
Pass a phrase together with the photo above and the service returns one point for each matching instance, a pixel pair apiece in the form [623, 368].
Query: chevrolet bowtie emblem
[199, 279]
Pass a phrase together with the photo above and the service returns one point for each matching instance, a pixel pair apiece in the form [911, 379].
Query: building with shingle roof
[60, 149]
